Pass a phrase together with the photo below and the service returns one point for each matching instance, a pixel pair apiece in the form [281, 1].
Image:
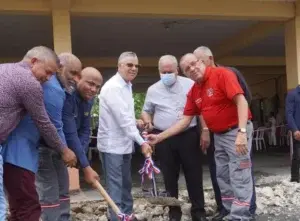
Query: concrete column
[62, 43]
[292, 52]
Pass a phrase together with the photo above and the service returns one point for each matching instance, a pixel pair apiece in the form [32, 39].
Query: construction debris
[275, 194]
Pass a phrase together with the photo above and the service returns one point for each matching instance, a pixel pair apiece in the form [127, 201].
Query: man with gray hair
[204, 54]
[118, 131]
[21, 93]
[163, 107]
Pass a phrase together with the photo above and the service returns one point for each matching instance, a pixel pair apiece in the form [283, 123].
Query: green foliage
[139, 99]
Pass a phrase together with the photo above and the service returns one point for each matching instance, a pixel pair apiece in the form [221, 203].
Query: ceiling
[108, 37]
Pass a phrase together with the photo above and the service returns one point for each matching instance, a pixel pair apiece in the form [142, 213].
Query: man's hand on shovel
[90, 175]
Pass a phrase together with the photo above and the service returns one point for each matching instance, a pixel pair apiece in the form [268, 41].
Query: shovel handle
[107, 197]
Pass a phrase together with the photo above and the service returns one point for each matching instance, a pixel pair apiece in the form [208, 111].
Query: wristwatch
[242, 130]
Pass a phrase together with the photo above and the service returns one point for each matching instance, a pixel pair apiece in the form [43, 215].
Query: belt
[231, 128]
[157, 131]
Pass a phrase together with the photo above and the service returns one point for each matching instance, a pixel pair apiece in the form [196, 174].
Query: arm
[190, 110]
[203, 123]
[32, 99]
[176, 128]
[242, 106]
[122, 113]
[148, 109]
[290, 110]
[234, 92]
[54, 108]
[85, 130]
[147, 118]
[70, 130]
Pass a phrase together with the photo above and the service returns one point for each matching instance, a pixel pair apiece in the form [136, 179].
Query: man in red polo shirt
[219, 100]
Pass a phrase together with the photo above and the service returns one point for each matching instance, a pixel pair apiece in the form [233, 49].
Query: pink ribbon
[148, 169]
[125, 217]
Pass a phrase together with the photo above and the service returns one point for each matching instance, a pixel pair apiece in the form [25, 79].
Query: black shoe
[219, 216]
[294, 180]
[199, 217]
[253, 217]
[177, 217]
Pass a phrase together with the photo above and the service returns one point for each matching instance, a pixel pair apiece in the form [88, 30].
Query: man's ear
[33, 60]
[77, 78]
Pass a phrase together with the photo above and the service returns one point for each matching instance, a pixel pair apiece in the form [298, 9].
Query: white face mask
[168, 79]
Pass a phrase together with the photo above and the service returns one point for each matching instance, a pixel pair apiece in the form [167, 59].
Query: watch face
[243, 130]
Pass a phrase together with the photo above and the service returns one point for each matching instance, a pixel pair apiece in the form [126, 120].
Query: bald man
[20, 151]
[54, 189]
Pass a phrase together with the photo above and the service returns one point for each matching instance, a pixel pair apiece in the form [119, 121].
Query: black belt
[156, 131]
[231, 128]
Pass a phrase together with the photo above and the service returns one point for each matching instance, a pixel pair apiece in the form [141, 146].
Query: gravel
[276, 196]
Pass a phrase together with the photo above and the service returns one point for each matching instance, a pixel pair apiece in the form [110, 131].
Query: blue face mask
[168, 79]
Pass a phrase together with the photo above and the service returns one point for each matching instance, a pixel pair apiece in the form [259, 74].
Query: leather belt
[231, 128]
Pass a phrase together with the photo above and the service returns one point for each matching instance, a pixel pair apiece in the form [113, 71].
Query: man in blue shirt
[52, 177]
[77, 118]
[293, 121]
[20, 151]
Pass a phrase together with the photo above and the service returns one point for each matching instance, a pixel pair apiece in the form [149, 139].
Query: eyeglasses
[130, 65]
[192, 64]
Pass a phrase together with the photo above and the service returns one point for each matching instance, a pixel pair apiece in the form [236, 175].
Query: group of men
[45, 106]
[206, 112]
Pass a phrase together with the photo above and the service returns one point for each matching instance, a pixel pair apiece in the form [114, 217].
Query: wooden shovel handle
[107, 198]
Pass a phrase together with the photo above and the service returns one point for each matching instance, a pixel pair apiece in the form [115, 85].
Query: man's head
[69, 72]
[43, 62]
[128, 65]
[168, 69]
[90, 82]
[204, 54]
[192, 67]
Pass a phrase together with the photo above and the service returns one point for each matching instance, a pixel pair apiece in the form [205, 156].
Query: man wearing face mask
[218, 97]
[163, 107]
[20, 151]
[118, 131]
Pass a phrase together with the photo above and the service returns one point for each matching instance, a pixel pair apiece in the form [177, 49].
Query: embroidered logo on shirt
[210, 92]
[86, 114]
[199, 100]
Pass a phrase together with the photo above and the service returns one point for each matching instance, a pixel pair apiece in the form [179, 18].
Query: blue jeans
[117, 172]
[52, 184]
[2, 196]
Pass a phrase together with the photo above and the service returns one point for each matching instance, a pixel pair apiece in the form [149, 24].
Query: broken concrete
[274, 195]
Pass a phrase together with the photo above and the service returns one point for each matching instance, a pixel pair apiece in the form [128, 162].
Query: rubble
[275, 194]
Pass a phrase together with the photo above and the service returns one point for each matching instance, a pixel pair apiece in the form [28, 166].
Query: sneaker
[220, 215]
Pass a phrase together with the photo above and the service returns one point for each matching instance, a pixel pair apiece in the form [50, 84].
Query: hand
[153, 139]
[146, 149]
[241, 144]
[204, 140]
[90, 175]
[148, 126]
[140, 124]
[69, 157]
[297, 135]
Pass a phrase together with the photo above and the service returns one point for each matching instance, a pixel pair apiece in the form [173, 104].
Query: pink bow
[125, 217]
[148, 169]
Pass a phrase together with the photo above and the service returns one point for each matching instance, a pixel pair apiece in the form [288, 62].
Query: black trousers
[183, 150]
[295, 161]
[213, 172]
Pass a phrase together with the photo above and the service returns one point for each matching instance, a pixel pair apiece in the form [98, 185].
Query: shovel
[111, 203]
[154, 196]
